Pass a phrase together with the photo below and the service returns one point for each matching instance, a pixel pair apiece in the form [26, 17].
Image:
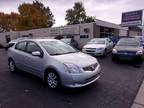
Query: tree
[77, 15]
[89, 19]
[34, 16]
[8, 21]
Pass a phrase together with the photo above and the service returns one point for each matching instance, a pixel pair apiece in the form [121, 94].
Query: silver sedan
[56, 62]
[98, 46]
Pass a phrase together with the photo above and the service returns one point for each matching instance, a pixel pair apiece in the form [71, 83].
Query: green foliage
[31, 16]
[89, 19]
[77, 15]
[34, 16]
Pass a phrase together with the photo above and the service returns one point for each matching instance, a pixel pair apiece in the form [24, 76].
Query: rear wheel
[12, 66]
[52, 79]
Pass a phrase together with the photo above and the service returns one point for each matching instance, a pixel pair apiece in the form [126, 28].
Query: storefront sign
[70, 30]
[133, 18]
[54, 31]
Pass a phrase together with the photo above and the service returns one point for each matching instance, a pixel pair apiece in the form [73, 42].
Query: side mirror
[37, 53]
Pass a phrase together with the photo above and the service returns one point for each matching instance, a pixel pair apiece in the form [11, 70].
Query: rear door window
[21, 46]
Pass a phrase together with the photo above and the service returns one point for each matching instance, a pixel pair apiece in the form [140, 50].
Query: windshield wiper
[56, 54]
[71, 52]
[64, 53]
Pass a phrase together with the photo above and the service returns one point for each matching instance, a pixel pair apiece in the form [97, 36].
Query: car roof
[128, 38]
[40, 39]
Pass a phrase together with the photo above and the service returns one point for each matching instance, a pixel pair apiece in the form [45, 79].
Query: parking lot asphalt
[116, 88]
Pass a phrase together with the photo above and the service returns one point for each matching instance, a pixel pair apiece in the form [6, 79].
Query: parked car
[128, 49]
[71, 41]
[98, 46]
[141, 38]
[57, 63]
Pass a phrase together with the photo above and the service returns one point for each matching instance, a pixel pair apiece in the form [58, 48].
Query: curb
[139, 100]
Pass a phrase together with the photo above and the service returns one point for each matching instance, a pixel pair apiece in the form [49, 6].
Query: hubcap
[52, 80]
[11, 66]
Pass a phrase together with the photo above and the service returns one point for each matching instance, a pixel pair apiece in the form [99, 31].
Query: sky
[107, 10]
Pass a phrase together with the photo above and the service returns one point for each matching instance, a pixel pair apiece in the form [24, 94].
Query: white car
[98, 46]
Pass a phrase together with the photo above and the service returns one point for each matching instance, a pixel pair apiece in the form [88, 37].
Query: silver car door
[35, 64]
[19, 55]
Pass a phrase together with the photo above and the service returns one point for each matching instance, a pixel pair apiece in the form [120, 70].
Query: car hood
[127, 48]
[80, 59]
[95, 46]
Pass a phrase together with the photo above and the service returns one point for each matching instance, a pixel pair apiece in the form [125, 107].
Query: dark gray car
[128, 49]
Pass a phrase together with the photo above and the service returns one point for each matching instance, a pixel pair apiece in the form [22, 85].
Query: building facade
[81, 32]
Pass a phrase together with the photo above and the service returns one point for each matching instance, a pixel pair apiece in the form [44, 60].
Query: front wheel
[105, 53]
[114, 58]
[140, 61]
[52, 79]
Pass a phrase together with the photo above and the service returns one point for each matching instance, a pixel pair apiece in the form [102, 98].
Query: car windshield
[97, 41]
[66, 40]
[57, 47]
[128, 42]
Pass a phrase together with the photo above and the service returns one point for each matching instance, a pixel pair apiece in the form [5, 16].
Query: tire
[12, 66]
[105, 53]
[140, 61]
[52, 79]
[114, 58]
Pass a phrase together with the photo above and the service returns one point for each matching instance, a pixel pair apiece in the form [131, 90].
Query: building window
[86, 30]
[84, 36]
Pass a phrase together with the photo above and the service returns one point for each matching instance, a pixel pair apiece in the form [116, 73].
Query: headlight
[100, 49]
[114, 51]
[73, 68]
[140, 52]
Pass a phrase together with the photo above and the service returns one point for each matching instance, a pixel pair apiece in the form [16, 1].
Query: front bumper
[128, 56]
[82, 79]
[95, 53]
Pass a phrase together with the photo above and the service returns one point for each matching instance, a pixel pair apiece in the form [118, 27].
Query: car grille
[127, 52]
[90, 49]
[91, 67]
